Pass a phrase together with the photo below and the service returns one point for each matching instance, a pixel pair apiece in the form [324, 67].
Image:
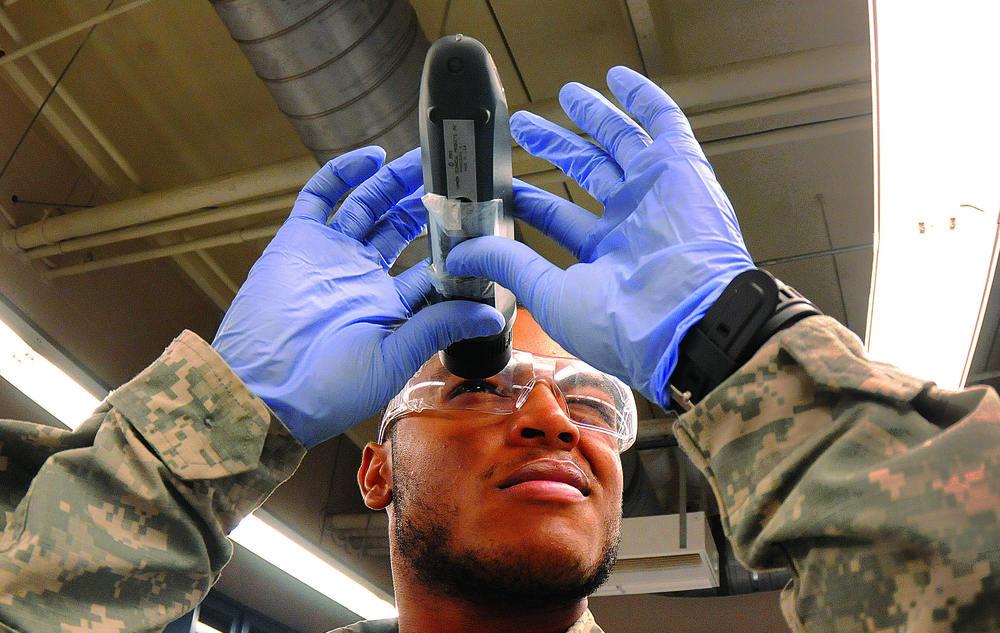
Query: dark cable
[444, 20]
[41, 203]
[45, 101]
[510, 53]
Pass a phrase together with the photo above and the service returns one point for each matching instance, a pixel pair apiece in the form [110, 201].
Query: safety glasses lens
[591, 398]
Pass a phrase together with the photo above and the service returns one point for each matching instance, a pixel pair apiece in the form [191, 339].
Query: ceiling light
[266, 537]
[937, 193]
[36, 377]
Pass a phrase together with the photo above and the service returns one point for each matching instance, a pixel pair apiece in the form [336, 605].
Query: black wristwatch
[752, 309]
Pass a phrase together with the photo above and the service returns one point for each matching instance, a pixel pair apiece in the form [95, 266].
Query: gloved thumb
[513, 265]
[436, 327]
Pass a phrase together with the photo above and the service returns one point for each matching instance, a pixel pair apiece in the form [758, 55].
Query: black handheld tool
[465, 150]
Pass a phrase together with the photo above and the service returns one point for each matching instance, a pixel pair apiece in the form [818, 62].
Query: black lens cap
[480, 357]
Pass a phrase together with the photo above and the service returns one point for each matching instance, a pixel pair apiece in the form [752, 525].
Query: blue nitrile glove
[667, 244]
[320, 331]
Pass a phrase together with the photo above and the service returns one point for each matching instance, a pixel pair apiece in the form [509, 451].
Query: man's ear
[375, 475]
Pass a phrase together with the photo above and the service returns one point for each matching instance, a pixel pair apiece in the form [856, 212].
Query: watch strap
[752, 308]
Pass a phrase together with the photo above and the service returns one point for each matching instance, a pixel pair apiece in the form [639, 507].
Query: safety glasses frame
[511, 387]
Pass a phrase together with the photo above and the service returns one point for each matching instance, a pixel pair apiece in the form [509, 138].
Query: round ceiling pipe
[346, 73]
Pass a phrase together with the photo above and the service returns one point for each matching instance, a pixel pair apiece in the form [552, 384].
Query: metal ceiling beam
[646, 37]
[735, 114]
[772, 86]
[67, 118]
[89, 143]
[27, 49]
[756, 81]
[525, 163]
[548, 177]
[545, 178]
[837, 95]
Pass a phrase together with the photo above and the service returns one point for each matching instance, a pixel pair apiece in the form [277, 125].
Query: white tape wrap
[451, 222]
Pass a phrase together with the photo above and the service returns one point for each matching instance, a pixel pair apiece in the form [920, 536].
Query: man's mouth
[559, 471]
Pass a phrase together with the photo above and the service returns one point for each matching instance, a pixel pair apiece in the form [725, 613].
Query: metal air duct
[346, 73]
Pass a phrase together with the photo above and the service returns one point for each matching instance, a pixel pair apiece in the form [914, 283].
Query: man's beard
[486, 576]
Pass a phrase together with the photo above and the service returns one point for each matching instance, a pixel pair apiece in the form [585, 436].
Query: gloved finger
[321, 193]
[398, 227]
[654, 108]
[513, 265]
[436, 327]
[581, 160]
[366, 204]
[615, 131]
[414, 285]
[559, 219]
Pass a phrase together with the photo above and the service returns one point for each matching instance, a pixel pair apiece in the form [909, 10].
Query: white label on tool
[460, 158]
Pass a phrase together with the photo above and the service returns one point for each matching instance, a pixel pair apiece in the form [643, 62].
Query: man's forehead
[530, 337]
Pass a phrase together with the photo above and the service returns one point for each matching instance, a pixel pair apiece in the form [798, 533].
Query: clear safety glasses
[590, 398]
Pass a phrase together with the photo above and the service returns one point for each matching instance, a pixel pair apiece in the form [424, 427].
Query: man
[502, 520]
[877, 490]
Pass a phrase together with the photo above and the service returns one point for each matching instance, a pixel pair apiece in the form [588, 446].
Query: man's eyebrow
[589, 379]
[598, 380]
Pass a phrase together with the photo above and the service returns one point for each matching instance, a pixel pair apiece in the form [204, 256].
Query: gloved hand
[667, 244]
[320, 331]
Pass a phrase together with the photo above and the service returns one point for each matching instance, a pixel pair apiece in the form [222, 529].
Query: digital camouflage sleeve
[121, 525]
[879, 491]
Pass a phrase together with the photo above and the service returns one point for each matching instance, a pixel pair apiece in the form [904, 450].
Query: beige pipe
[785, 83]
[233, 237]
[524, 163]
[544, 178]
[191, 220]
[250, 183]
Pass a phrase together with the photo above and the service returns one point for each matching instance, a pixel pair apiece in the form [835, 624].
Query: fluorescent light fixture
[935, 72]
[653, 558]
[36, 377]
[201, 627]
[266, 537]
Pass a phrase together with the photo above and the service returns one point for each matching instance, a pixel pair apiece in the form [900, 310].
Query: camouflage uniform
[878, 490]
[121, 525]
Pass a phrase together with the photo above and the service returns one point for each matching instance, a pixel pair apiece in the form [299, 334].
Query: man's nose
[542, 419]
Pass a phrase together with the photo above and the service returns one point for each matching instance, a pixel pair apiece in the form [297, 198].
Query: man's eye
[593, 411]
[474, 388]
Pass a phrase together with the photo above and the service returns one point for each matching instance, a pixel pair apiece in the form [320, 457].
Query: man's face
[526, 504]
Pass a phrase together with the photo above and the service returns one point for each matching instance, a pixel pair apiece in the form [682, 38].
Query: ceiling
[158, 106]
